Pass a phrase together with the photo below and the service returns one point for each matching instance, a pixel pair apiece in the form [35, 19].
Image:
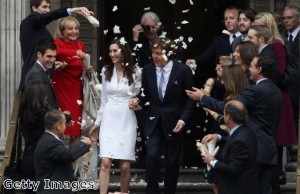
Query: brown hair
[167, 45]
[37, 3]
[128, 65]
[248, 50]
[235, 81]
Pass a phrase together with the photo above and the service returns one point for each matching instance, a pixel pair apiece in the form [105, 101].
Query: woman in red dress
[67, 82]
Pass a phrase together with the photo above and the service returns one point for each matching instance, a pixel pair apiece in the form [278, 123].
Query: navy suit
[263, 102]
[37, 74]
[163, 117]
[54, 161]
[237, 167]
[267, 52]
[32, 31]
[220, 46]
[143, 54]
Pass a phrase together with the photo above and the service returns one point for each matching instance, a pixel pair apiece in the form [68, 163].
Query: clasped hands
[206, 157]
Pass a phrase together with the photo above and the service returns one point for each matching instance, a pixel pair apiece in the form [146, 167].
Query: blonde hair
[269, 22]
[62, 24]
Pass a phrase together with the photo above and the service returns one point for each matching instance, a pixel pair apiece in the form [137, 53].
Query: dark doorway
[204, 22]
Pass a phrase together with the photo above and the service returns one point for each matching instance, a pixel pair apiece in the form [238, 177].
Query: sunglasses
[148, 28]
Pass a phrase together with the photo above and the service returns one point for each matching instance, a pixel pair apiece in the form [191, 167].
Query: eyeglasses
[148, 28]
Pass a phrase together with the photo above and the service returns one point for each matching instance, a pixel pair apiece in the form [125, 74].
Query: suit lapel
[153, 83]
[171, 79]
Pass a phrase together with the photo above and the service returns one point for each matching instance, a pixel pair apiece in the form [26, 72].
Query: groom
[164, 83]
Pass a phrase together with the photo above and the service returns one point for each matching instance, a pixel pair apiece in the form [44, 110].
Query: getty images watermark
[48, 184]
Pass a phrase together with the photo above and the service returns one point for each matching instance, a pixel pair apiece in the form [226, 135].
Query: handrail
[10, 140]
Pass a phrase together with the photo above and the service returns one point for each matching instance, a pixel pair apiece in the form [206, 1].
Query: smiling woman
[67, 82]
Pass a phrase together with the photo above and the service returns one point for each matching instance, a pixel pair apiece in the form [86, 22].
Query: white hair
[150, 15]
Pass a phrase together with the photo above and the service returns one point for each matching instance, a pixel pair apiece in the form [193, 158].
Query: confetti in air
[117, 29]
[79, 102]
[190, 39]
[123, 41]
[184, 22]
[146, 8]
[185, 11]
[115, 8]
[191, 2]
[172, 1]
[105, 32]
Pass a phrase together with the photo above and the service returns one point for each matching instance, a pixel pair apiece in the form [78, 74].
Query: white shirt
[294, 33]
[167, 72]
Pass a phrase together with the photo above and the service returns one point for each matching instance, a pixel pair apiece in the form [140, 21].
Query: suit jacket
[54, 161]
[263, 102]
[175, 106]
[267, 52]
[37, 74]
[220, 46]
[142, 55]
[32, 31]
[237, 167]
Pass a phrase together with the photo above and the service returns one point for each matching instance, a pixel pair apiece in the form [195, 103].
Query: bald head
[237, 112]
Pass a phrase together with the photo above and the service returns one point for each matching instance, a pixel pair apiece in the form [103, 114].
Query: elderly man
[237, 167]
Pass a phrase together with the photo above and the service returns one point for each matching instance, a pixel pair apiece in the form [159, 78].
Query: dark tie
[291, 39]
[233, 36]
[161, 83]
[48, 72]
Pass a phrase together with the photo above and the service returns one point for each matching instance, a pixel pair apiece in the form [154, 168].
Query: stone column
[11, 14]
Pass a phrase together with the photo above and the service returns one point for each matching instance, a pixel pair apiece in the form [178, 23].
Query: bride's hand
[94, 133]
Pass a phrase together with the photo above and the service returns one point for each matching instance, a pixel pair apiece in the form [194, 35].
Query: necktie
[161, 83]
[291, 39]
[233, 36]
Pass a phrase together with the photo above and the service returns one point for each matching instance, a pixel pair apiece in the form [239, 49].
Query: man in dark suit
[164, 83]
[291, 19]
[40, 71]
[260, 36]
[263, 102]
[53, 161]
[220, 44]
[237, 166]
[33, 30]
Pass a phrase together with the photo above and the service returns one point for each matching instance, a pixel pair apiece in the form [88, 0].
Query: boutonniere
[176, 82]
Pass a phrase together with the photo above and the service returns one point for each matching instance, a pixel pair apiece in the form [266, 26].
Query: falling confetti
[190, 39]
[188, 131]
[184, 22]
[147, 8]
[79, 102]
[151, 118]
[172, 1]
[123, 41]
[105, 32]
[116, 29]
[115, 8]
[191, 2]
[185, 11]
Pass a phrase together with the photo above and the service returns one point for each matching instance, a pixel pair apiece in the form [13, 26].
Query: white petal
[115, 8]
[185, 11]
[129, 93]
[123, 41]
[172, 1]
[184, 22]
[79, 102]
[116, 29]
[151, 118]
[190, 39]
[191, 2]
[146, 8]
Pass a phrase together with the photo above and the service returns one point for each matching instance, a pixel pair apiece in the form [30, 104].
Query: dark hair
[37, 3]
[235, 81]
[128, 65]
[249, 13]
[45, 44]
[167, 45]
[33, 103]
[268, 67]
[248, 50]
[52, 117]
[237, 111]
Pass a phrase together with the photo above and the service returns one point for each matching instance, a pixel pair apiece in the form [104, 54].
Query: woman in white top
[117, 123]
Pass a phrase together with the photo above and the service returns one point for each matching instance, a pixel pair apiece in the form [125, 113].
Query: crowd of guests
[153, 93]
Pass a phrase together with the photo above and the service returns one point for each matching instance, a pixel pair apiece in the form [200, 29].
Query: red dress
[67, 83]
[286, 133]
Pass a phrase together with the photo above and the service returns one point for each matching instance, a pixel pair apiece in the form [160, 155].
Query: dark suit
[263, 102]
[163, 117]
[237, 167]
[267, 52]
[220, 46]
[54, 161]
[37, 74]
[32, 31]
[295, 88]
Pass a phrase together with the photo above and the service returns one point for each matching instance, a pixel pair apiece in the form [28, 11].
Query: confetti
[184, 22]
[188, 131]
[190, 39]
[116, 29]
[151, 118]
[79, 102]
[115, 8]
[172, 1]
[191, 2]
[146, 8]
[100, 58]
[185, 11]
[123, 41]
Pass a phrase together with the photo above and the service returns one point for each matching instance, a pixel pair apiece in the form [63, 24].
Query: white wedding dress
[118, 125]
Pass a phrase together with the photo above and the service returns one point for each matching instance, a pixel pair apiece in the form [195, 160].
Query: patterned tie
[161, 83]
[291, 39]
